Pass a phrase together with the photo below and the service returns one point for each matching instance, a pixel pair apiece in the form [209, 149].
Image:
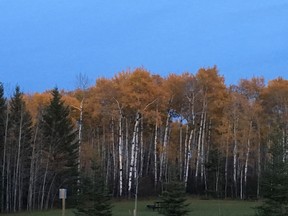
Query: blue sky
[46, 43]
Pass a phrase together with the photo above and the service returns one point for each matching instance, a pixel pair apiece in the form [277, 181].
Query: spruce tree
[174, 201]
[275, 184]
[61, 146]
[94, 198]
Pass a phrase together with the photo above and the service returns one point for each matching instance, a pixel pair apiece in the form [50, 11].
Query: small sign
[62, 193]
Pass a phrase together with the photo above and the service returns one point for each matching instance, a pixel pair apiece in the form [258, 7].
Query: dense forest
[143, 130]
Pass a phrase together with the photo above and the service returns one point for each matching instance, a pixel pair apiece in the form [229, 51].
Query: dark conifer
[174, 201]
[60, 138]
[275, 184]
[94, 198]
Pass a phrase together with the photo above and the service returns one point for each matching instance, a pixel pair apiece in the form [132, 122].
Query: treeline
[143, 130]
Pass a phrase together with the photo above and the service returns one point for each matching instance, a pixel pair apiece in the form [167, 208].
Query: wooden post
[63, 207]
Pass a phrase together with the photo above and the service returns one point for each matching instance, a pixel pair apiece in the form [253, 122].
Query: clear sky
[46, 43]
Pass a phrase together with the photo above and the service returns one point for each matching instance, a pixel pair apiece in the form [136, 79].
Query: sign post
[63, 195]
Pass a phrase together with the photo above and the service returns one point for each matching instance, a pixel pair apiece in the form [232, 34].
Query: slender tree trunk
[258, 164]
[49, 192]
[114, 154]
[4, 162]
[199, 146]
[165, 143]
[32, 173]
[180, 151]
[20, 192]
[38, 161]
[206, 157]
[127, 151]
[235, 152]
[247, 157]
[17, 172]
[217, 176]
[141, 148]
[79, 145]
[133, 152]
[120, 140]
[45, 179]
[155, 154]
[202, 157]
[186, 153]
[136, 153]
[284, 145]
[148, 166]
[120, 148]
[8, 185]
[241, 182]
[189, 156]
[226, 165]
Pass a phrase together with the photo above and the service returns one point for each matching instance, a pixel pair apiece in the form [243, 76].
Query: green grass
[198, 208]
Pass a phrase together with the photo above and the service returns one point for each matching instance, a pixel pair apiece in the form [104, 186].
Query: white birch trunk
[114, 154]
[133, 147]
[186, 151]
[120, 140]
[202, 157]
[120, 148]
[141, 149]
[189, 156]
[199, 146]
[136, 152]
[127, 149]
[155, 154]
[180, 151]
[247, 157]
[165, 143]
[79, 145]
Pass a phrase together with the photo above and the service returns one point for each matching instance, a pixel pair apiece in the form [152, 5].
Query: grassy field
[198, 208]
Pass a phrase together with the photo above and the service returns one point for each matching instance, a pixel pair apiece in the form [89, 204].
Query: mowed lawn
[198, 208]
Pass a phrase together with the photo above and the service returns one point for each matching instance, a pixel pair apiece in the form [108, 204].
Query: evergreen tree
[61, 147]
[275, 185]
[94, 198]
[174, 201]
